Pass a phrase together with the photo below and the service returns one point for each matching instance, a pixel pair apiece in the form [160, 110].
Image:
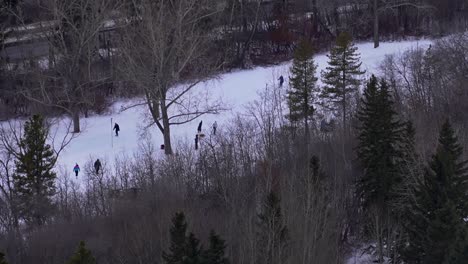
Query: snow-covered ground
[236, 89]
[364, 254]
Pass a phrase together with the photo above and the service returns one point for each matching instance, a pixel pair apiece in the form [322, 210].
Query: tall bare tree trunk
[376, 24]
[344, 97]
[316, 17]
[166, 132]
[76, 120]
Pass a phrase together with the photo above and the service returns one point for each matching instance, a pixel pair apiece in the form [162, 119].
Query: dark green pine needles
[436, 226]
[177, 247]
[34, 179]
[378, 150]
[82, 256]
[342, 76]
[188, 250]
[215, 253]
[303, 87]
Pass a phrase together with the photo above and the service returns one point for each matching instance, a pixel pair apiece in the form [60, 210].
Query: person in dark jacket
[97, 166]
[196, 141]
[200, 126]
[117, 129]
[215, 126]
[281, 80]
[76, 169]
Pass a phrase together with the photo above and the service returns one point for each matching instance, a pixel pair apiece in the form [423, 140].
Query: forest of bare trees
[255, 193]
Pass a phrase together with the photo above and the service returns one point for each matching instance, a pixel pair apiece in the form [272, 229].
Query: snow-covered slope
[236, 90]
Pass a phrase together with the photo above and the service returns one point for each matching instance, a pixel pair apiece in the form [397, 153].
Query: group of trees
[162, 50]
[342, 78]
[414, 212]
[216, 189]
[81, 256]
[268, 194]
[164, 53]
[187, 249]
[419, 212]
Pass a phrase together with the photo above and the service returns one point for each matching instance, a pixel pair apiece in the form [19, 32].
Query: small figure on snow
[215, 126]
[117, 129]
[196, 142]
[281, 81]
[200, 126]
[97, 166]
[76, 169]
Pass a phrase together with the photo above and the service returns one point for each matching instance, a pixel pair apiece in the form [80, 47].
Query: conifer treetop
[82, 255]
[303, 84]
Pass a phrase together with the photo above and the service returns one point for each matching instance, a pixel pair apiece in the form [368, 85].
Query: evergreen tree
[193, 251]
[379, 141]
[341, 77]
[183, 249]
[379, 152]
[34, 179]
[82, 256]
[409, 170]
[273, 234]
[2, 259]
[303, 85]
[215, 253]
[437, 231]
[408, 143]
[177, 249]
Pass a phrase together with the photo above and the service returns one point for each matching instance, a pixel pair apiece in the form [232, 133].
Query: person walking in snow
[200, 126]
[281, 81]
[215, 126]
[196, 142]
[76, 169]
[97, 166]
[117, 129]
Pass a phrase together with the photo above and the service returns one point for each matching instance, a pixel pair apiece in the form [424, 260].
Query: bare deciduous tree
[380, 6]
[164, 50]
[72, 73]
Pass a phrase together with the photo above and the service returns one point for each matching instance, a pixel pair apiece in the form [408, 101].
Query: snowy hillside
[236, 90]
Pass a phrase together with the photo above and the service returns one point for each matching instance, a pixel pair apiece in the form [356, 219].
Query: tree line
[151, 49]
[275, 188]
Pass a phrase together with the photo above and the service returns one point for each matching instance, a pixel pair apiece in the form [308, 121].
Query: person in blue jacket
[76, 169]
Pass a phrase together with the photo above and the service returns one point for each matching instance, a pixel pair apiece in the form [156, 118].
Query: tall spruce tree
[215, 253]
[379, 143]
[379, 151]
[272, 233]
[82, 256]
[34, 179]
[193, 251]
[177, 249]
[410, 170]
[183, 249]
[408, 142]
[342, 76]
[303, 85]
[436, 229]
